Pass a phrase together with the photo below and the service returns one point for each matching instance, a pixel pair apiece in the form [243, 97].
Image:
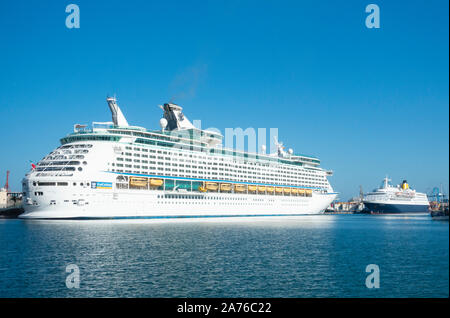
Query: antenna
[386, 181]
[280, 147]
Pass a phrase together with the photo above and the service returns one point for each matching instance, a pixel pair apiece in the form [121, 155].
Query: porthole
[80, 169]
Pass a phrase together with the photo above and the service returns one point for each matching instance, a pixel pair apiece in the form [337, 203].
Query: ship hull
[169, 205]
[395, 208]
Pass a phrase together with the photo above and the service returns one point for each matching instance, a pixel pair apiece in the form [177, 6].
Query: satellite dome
[163, 123]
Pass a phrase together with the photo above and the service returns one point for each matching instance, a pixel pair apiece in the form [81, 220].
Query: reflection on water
[308, 256]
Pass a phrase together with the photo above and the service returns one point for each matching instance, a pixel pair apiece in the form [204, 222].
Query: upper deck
[191, 140]
[177, 132]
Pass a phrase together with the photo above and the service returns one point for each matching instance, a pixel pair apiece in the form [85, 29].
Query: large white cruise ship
[114, 170]
[399, 199]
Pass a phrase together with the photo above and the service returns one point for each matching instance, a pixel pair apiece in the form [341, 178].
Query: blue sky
[367, 102]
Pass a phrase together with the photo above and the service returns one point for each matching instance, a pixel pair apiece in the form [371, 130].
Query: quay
[10, 202]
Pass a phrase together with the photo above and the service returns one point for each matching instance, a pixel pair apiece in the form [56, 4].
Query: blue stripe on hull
[395, 208]
[168, 217]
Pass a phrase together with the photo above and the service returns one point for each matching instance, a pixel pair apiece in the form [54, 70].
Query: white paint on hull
[152, 204]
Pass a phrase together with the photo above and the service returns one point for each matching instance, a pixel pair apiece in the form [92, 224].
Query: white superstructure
[115, 170]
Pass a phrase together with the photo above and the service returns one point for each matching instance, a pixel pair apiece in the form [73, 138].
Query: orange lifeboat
[239, 188]
[225, 187]
[138, 182]
[252, 188]
[156, 182]
[211, 186]
[261, 189]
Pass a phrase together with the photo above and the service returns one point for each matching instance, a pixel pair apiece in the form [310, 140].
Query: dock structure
[3, 198]
[346, 207]
[8, 197]
[10, 202]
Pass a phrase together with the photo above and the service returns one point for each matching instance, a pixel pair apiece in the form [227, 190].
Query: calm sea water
[310, 256]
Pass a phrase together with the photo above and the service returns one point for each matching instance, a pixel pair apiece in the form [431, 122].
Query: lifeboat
[278, 190]
[270, 189]
[155, 182]
[201, 189]
[308, 192]
[301, 192]
[211, 186]
[287, 190]
[294, 191]
[252, 188]
[261, 189]
[225, 187]
[239, 188]
[138, 181]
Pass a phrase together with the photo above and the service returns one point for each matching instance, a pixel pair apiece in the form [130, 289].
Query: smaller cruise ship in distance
[395, 199]
[115, 170]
